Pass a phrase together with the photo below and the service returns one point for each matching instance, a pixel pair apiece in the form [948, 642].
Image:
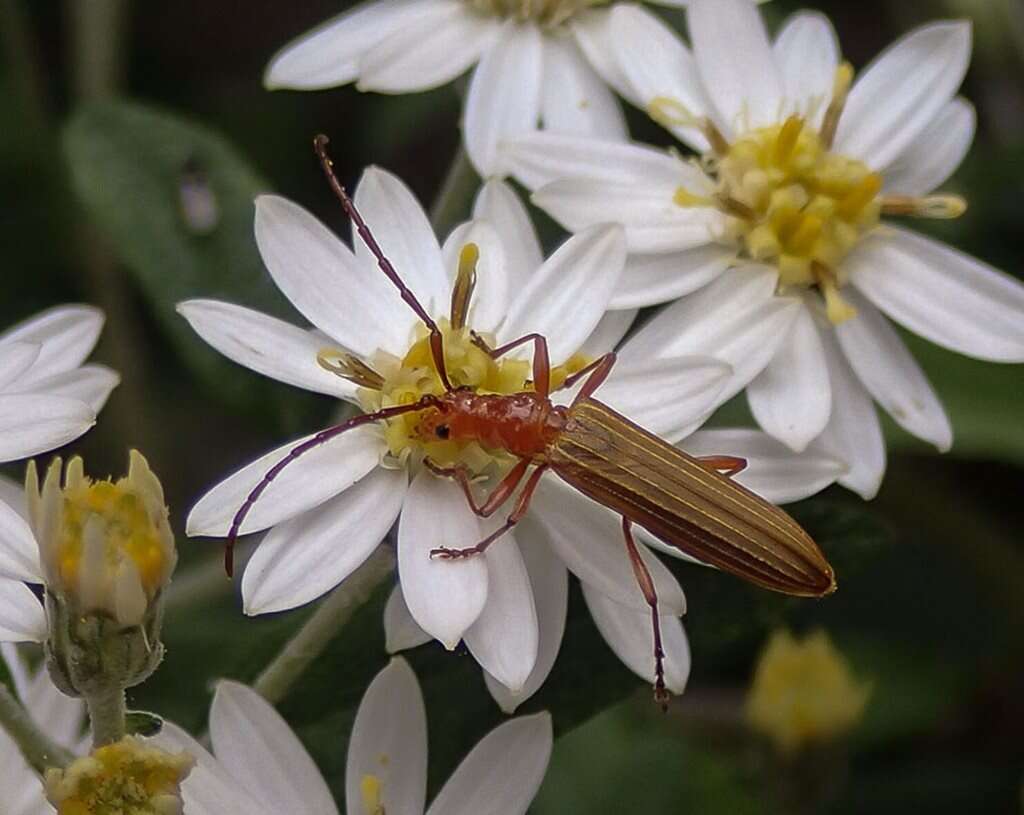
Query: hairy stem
[106, 715]
[329, 618]
[40, 750]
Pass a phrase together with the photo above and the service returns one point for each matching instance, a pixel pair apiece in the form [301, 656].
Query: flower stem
[39, 750]
[330, 617]
[453, 201]
[106, 715]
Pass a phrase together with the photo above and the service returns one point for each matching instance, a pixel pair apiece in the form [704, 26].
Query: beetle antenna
[300, 449]
[386, 266]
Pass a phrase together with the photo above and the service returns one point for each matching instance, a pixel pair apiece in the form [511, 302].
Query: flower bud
[803, 692]
[127, 776]
[107, 553]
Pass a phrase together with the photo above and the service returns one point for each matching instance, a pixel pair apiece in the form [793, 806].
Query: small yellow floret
[128, 777]
[803, 692]
[106, 544]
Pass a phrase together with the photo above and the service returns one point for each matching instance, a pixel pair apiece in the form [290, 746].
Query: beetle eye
[442, 431]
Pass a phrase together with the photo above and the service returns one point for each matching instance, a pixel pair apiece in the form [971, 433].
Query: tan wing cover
[676, 498]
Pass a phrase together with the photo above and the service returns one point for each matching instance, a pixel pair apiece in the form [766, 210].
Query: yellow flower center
[793, 202]
[391, 380]
[544, 12]
[117, 513]
[124, 778]
[803, 692]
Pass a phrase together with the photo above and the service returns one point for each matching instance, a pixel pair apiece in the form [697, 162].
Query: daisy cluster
[764, 254]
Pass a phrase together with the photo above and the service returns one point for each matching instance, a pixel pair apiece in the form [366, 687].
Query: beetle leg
[501, 493]
[518, 511]
[726, 465]
[598, 371]
[541, 361]
[643, 577]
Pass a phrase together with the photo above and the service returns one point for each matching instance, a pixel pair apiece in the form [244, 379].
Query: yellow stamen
[684, 198]
[370, 788]
[786, 142]
[349, 367]
[840, 91]
[939, 207]
[859, 196]
[465, 282]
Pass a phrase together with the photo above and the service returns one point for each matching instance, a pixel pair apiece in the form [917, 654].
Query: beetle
[689, 503]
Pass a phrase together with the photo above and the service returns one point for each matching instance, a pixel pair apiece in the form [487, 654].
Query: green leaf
[175, 201]
[141, 723]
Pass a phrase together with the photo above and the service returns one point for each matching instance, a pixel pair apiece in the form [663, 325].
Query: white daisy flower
[259, 767]
[540, 61]
[48, 396]
[59, 717]
[778, 224]
[353, 487]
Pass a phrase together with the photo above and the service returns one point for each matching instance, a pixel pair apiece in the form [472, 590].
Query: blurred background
[117, 115]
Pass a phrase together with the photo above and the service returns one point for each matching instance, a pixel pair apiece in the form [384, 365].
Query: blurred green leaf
[176, 202]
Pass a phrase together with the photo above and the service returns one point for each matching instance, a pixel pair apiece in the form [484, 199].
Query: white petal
[650, 279]
[853, 433]
[307, 482]
[657, 64]
[504, 637]
[329, 55]
[442, 44]
[566, 298]
[550, 582]
[67, 335]
[35, 423]
[260, 750]
[264, 344]
[389, 742]
[791, 398]
[630, 634]
[944, 295]
[540, 158]
[209, 789]
[401, 631]
[736, 64]
[807, 53]
[588, 538]
[737, 318]
[19, 554]
[593, 32]
[902, 90]
[773, 471]
[498, 204]
[91, 384]
[892, 377]
[15, 359]
[504, 97]
[933, 157]
[403, 231]
[444, 596]
[303, 558]
[665, 396]
[60, 717]
[652, 219]
[575, 98]
[21, 614]
[491, 295]
[608, 333]
[318, 273]
[502, 773]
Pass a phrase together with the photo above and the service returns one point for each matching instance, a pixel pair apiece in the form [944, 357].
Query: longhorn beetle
[689, 503]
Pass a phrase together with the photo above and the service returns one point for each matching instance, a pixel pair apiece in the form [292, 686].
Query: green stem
[97, 37]
[455, 197]
[39, 750]
[317, 632]
[106, 715]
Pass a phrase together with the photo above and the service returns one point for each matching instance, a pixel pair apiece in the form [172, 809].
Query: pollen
[803, 692]
[105, 544]
[128, 777]
[371, 790]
